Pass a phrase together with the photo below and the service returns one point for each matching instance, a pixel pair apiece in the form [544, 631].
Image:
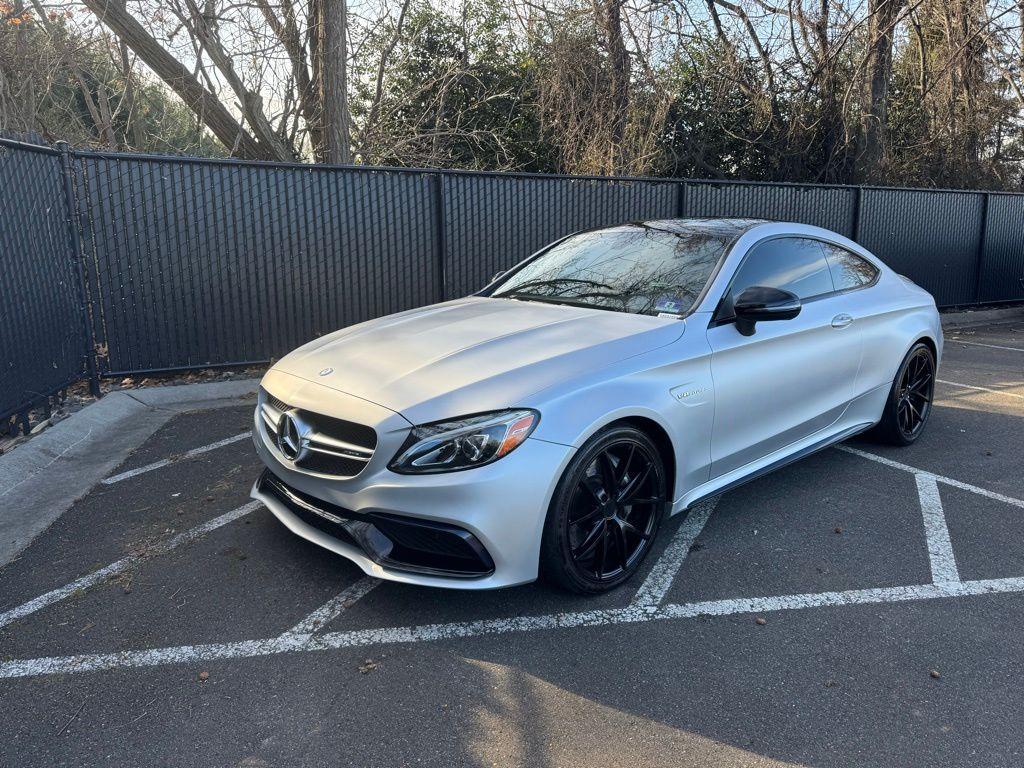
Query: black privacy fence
[117, 264]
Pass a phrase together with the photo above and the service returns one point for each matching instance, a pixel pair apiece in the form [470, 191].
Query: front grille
[327, 464]
[394, 541]
[331, 446]
[269, 431]
[279, 405]
[339, 429]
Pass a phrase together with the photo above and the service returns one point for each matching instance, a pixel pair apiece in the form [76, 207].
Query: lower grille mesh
[330, 465]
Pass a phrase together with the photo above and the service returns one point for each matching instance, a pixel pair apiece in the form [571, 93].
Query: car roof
[727, 228]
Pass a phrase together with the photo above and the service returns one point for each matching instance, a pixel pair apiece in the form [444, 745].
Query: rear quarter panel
[893, 315]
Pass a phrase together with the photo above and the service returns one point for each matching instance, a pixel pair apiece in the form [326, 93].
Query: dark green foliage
[58, 72]
[457, 94]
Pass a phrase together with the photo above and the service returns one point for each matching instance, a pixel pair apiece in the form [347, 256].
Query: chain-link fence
[138, 264]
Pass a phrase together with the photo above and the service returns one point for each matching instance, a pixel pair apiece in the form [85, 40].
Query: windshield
[639, 268]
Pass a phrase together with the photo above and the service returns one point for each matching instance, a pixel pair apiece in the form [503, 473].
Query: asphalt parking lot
[860, 608]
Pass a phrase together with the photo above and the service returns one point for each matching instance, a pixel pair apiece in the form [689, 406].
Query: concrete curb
[32, 496]
[189, 396]
[978, 317]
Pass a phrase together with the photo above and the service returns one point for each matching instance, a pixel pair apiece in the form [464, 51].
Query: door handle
[841, 321]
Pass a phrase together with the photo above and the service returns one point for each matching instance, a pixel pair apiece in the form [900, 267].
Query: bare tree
[928, 91]
[196, 95]
[313, 88]
[874, 136]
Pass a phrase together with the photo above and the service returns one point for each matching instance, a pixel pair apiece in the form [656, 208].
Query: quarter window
[848, 269]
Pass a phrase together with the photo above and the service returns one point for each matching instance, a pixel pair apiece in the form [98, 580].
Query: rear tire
[605, 512]
[910, 399]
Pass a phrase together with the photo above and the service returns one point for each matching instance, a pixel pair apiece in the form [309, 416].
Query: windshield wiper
[554, 300]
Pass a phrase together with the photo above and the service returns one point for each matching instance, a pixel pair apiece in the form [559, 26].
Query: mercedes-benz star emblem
[326, 371]
[289, 437]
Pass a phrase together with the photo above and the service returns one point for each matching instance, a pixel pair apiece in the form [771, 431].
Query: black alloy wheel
[606, 512]
[910, 399]
[915, 393]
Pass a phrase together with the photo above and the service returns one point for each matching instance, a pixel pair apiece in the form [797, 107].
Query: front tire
[910, 399]
[605, 512]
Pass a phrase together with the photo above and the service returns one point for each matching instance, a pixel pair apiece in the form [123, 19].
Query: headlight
[472, 441]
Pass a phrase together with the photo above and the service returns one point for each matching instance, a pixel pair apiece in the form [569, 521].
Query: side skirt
[714, 488]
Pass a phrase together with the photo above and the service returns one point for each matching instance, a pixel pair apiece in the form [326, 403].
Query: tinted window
[790, 263]
[641, 268]
[848, 269]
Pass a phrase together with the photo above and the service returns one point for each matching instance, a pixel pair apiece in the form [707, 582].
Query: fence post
[440, 240]
[680, 199]
[980, 253]
[857, 194]
[75, 241]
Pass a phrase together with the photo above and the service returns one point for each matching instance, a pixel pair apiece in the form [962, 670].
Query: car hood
[474, 354]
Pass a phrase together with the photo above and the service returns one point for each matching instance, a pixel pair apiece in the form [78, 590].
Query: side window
[790, 263]
[848, 269]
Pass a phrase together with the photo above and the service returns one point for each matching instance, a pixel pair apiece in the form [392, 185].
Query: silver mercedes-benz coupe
[547, 424]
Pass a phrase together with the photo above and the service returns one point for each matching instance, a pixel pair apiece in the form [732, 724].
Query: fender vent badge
[681, 393]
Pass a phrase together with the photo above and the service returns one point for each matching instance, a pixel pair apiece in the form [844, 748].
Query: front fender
[669, 388]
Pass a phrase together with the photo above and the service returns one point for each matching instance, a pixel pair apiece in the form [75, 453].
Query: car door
[790, 378]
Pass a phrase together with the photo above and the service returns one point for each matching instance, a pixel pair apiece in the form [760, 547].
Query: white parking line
[940, 548]
[990, 346]
[980, 389]
[165, 462]
[334, 607]
[97, 577]
[940, 478]
[289, 643]
[658, 581]
[645, 606]
[872, 596]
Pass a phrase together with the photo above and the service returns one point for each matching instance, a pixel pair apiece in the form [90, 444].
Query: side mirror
[760, 303]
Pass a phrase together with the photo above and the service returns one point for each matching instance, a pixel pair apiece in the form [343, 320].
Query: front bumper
[395, 542]
[498, 510]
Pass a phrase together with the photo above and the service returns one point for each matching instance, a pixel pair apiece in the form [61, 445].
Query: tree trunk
[201, 101]
[835, 155]
[618, 84]
[250, 102]
[874, 137]
[334, 80]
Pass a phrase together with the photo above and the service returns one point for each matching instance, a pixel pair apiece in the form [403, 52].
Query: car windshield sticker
[671, 304]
